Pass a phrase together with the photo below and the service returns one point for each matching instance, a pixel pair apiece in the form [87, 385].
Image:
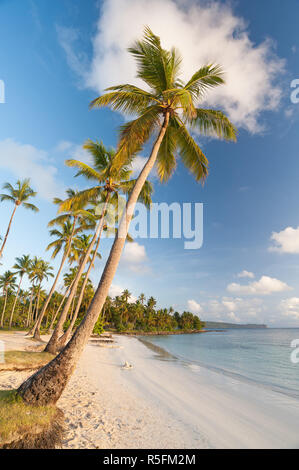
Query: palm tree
[18, 196]
[78, 253]
[64, 240]
[7, 281]
[64, 339]
[142, 298]
[110, 180]
[168, 109]
[43, 271]
[22, 266]
[32, 277]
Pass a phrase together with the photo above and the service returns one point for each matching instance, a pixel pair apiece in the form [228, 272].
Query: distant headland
[222, 325]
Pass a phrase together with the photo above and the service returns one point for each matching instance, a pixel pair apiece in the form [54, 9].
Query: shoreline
[164, 333]
[164, 404]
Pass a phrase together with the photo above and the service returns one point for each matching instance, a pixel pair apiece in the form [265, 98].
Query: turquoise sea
[260, 356]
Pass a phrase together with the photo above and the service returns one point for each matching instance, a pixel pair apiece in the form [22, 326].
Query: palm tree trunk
[47, 385]
[36, 330]
[52, 345]
[37, 302]
[7, 231]
[67, 292]
[28, 322]
[4, 308]
[65, 338]
[15, 302]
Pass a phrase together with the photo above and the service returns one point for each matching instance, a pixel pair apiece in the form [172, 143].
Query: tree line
[165, 113]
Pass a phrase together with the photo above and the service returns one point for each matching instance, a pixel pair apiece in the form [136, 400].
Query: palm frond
[206, 77]
[126, 98]
[84, 169]
[32, 207]
[135, 133]
[191, 154]
[166, 162]
[211, 122]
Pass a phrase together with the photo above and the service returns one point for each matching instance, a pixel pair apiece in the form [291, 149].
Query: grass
[23, 426]
[23, 360]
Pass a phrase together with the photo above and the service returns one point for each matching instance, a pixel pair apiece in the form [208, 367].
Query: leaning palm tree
[63, 241]
[78, 253]
[22, 267]
[43, 272]
[32, 278]
[111, 179]
[66, 336]
[167, 110]
[18, 196]
[7, 282]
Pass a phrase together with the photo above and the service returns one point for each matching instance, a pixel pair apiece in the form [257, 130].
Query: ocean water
[260, 356]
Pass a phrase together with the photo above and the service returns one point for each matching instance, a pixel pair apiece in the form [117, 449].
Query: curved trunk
[29, 311]
[7, 231]
[52, 345]
[3, 311]
[15, 302]
[36, 328]
[67, 292]
[47, 385]
[65, 338]
[36, 332]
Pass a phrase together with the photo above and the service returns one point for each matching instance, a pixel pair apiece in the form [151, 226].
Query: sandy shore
[162, 404]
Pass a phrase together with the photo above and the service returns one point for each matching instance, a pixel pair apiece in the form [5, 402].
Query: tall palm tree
[111, 180]
[43, 271]
[22, 267]
[78, 253]
[32, 278]
[18, 196]
[7, 281]
[167, 110]
[64, 240]
[66, 336]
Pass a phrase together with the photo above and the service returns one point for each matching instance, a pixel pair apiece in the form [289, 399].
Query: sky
[57, 56]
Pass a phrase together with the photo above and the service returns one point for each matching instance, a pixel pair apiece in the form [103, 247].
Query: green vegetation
[142, 316]
[22, 360]
[167, 116]
[19, 421]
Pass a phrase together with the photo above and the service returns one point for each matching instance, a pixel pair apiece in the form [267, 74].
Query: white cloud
[116, 290]
[245, 274]
[204, 32]
[232, 316]
[27, 161]
[77, 60]
[138, 164]
[265, 286]
[286, 241]
[134, 257]
[193, 306]
[234, 309]
[134, 253]
[290, 307]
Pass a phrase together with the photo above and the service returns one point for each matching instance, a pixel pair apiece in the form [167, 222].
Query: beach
[161, 404]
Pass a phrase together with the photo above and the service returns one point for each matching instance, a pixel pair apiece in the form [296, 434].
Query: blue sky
[57, 56]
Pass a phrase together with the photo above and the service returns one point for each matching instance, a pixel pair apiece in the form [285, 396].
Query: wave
[162, 353]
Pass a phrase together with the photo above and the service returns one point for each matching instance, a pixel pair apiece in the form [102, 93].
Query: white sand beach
[162, 404]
